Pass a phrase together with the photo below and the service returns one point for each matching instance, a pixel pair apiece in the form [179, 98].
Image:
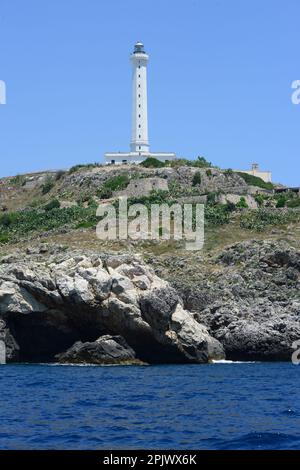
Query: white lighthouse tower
[139, 144]
[139, 137]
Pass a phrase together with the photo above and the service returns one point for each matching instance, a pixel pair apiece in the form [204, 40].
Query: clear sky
[219, 79]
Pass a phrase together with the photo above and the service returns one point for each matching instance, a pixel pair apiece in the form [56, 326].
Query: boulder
[105, 350]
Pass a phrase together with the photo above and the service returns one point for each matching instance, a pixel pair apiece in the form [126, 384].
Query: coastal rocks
[105, 350]
[248, 297]
[50, 300]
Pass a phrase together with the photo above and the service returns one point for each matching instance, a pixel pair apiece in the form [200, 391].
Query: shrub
[18, 180]
[48, 185]
[86, 224]
[201, 162]
[255, 181]
[196, 179]
[217, 214]
[59, 175]
[75, 168]
[228, 172]
[53, 204]
[261, 218]
[294, 203]
[281, 201]
[242, 204]
[8, 219]
[178, 162]
[155, 197]
[4, 238]
[117, 183]
[208, 173]
[152, 162]
[259, 198]
[104, 193]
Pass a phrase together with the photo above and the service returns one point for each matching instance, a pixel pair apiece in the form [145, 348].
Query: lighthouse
[139, 143]
[139, 138]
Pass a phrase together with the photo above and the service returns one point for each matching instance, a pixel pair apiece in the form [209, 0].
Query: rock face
[49, 301]
[248, 297]
[105, 350]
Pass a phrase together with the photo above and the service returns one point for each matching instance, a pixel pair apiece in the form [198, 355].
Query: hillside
[60, 207]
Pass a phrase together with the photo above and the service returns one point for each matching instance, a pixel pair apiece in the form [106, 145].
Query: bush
[281, 201]
[217, 214]
[242, 204]
[75, 168]
[53, 204]
[255, 181]
[201, 162]
[196, 179]
[48, 185]
[59, 175]
[155, 197]
[104, 193]
[117, 183]
[208, 173]
[261, 218]
[259, 198]
[18, 180]
[4, 238]
[7, 219]
[294, 203]
[152, 162]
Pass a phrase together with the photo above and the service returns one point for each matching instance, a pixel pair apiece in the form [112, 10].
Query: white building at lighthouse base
[136, 157]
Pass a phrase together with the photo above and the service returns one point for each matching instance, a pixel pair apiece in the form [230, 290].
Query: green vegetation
[294, 203]
[3, 238]
[17, 224]
[255, 181]
[242, 204]
[117, 183]
[48, 185]
[281, 201]
[200, 162]
[197, 179]
[259, 198]
[152, 162]
[261, 218]
[59, 175]
[155, 197]
[87, 166]
[53, 204]
[18, 180]
[217, 214]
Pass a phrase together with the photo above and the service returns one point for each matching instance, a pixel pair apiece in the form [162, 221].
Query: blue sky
[219, 79]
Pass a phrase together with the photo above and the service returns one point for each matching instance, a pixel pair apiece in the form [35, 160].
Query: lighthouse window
[139, 105]
[139, 136]
[139, 76]
[139, 86]
[139, 125]
[139, 96]
[139, 115]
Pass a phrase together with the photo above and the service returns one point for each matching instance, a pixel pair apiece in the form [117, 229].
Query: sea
[226, 405]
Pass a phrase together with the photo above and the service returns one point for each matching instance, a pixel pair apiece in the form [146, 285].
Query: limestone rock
[105, 350]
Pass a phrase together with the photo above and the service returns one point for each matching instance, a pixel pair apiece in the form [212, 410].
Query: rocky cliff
[248, 296]
[65, 306]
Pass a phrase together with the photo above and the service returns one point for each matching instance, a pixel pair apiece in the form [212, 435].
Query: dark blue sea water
[217, 406]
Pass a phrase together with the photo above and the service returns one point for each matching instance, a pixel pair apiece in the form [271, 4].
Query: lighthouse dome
[139, 48]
